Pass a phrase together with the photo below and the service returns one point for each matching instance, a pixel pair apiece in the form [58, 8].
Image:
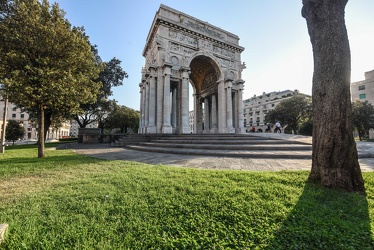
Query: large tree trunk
[41, 132]
[335, 161]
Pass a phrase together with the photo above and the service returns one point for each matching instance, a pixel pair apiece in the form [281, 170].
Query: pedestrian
[277, 127]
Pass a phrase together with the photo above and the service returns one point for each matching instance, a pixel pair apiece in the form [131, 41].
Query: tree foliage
[334, 158]
[110, 76]
[291, 111]
[14, 131]
[45, 63]
[123, 118]
[362, 117]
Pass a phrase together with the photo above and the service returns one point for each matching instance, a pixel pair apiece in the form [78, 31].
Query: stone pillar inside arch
[229, 108]
[166, 125]
[213, 116]
[240, 119]
[174, 109]
[141, 113]
[184, 127]
[160, 100]
[198, 113]
[206, 116]
[151, 128]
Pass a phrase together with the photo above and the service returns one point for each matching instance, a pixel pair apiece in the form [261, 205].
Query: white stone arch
[182, 50]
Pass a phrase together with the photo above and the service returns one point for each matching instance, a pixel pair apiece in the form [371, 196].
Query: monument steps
[222, 145]
[225, 146]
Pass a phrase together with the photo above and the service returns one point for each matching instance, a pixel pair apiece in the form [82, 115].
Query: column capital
[185, 72]
[167, 69]
[228, 84]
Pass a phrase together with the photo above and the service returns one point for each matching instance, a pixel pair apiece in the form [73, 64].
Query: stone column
[221, 107]
[206, 115]
[198, 115]
[141, 114]
[229, 122]
[174, 110]
[146, 107]
[214, 114]
[185, 128]
[166, 126]
[160, 100]
[241, 128]
[151, 128]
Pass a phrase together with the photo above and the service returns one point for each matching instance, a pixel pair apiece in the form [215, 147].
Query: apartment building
[15, 113]
[364, 91]
[256, 107]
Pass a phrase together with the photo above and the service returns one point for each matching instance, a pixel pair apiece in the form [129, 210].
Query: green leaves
[44, 61]
[14, 131]
[362, 117]
[292, 111]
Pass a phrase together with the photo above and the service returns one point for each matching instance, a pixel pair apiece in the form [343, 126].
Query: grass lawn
[70, 201]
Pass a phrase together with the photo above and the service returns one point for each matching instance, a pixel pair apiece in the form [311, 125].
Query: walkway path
[104, 151]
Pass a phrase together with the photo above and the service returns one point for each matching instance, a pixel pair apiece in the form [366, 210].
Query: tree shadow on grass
[325, 219]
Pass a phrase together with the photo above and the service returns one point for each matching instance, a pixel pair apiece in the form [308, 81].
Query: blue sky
[278, 53]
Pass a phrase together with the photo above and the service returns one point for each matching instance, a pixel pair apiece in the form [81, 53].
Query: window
[13, 115]
[361, 87]
[273, 105]
[14, 109]
[22, 115]
[362, 96]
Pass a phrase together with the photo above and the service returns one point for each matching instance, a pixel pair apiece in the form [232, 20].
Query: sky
[278, 53]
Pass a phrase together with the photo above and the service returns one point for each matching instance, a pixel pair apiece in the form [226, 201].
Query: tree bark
[41, 132]
[334, 159]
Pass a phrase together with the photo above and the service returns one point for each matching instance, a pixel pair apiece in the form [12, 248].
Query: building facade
[30, 127]
[364, 91]
[256, 107]
[182, 50]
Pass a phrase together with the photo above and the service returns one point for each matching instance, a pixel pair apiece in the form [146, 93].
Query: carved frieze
[225, 63]
[180, 49]
[182, 38]
[204, 29]
[205, 45]
[223, 52]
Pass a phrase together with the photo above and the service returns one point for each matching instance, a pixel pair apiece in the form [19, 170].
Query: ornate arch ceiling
[201, 66]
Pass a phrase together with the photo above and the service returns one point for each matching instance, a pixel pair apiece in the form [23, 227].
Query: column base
[240, 130]
[214, 130]
[166, 129]
[151, 130]
[184, 130]
[230, 130]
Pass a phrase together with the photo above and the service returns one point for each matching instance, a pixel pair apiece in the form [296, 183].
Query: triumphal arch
[182, 50]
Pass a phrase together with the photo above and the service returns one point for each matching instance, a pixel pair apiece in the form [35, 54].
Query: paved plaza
[104, 151]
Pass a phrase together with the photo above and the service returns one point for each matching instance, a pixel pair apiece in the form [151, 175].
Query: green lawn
[69, 201]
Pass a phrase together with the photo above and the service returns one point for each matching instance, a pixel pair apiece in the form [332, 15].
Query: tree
[362, 117]
[45, 64]
[334, 158]
[123, 118]
[111, 75]
[291, 111]
[14, 131]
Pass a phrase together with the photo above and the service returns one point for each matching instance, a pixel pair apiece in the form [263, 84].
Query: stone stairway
[219, 145]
